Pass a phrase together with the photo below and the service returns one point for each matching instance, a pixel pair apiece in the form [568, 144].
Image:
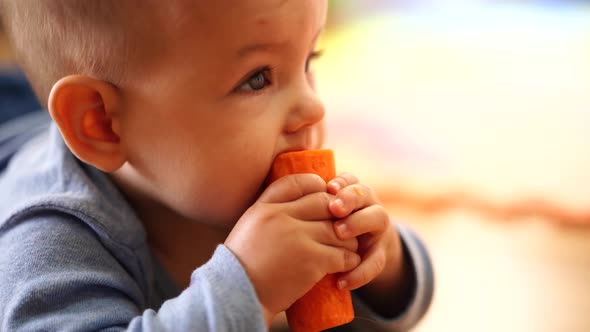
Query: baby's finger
[341, 181]
[372, 265]
[340, 259]
[311, 207]
[373, 219]
[323, 232]
[352, 198]
[292, 187]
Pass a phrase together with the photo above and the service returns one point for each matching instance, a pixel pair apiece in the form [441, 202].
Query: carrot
[324, 306]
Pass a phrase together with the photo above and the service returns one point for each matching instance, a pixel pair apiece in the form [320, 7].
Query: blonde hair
[56, 38]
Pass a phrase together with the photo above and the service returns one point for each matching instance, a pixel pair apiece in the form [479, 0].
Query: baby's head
[57, 38]
[185, 103]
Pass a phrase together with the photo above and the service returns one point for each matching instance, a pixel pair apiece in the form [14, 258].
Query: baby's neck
[180, 245]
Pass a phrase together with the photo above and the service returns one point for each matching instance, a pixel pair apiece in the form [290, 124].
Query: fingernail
[335, 185]
[343, 229]
[339, 203]
[342, 284]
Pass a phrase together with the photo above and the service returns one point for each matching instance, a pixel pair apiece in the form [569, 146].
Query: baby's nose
[306, 111]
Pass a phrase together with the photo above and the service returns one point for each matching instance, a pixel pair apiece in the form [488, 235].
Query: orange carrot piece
[320, 162]
[324, 306]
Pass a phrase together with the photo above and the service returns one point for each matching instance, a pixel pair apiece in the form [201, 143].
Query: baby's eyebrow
[268, 46]
[317, 35]
[258, 47]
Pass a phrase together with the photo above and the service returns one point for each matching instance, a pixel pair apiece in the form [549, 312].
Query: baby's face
[230, 92]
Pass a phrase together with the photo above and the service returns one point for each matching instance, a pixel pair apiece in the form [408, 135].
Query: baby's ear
[86, 110]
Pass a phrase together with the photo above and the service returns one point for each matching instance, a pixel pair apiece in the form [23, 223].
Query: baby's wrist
[393, 274]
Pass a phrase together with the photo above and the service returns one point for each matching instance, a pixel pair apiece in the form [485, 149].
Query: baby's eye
[258, 81]
[314, 55]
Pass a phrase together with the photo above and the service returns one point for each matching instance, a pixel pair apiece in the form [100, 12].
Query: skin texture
[190, 142]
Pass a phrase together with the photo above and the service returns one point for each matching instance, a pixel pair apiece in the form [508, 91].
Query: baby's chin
[220, 225]
[218, 209]
[221, 217]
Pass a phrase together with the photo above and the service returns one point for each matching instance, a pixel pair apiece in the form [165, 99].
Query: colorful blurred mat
[478, 108]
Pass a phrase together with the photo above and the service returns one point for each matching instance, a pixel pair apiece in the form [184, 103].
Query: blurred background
[471, 119]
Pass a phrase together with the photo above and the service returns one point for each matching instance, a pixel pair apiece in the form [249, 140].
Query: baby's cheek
[225, 206]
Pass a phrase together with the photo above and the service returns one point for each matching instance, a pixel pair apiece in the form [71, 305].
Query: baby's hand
[286, 241]
[363, 217]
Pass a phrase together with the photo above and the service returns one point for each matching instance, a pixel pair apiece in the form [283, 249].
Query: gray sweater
[74, 257]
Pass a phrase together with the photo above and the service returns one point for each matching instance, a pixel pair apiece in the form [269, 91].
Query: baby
[143, 206]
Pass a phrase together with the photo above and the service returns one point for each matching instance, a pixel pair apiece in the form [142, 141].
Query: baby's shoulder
[46, 238]
[58, 213]
[45, 177]
[52, 260]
